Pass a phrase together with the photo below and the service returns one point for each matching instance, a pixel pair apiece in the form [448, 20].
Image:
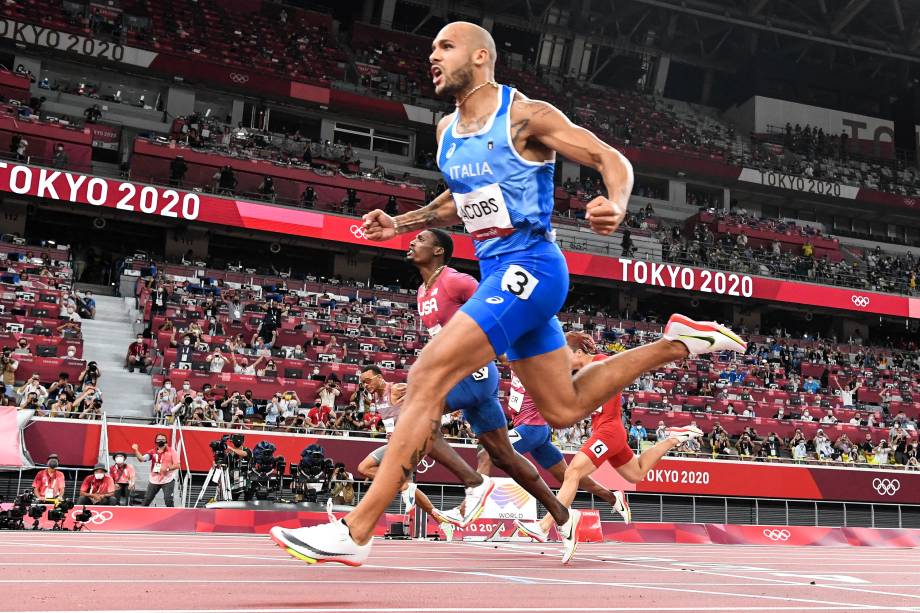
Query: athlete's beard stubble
[458, 82]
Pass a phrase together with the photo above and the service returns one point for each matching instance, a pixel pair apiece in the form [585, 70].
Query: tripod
[221, 476]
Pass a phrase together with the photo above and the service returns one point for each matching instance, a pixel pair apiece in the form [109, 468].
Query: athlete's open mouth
[437, 75]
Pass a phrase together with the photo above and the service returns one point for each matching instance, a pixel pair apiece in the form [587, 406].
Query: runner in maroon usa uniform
[442, 293]
[608, 443]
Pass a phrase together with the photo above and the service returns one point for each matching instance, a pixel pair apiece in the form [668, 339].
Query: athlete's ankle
[358, 536]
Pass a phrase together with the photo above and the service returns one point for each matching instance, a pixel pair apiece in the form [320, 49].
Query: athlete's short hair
[444, 241]
[580, 340]
[373, 368]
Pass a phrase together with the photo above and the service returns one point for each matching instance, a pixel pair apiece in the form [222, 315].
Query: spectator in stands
[308, 198]
[899, 443]
[829, 418]
[89, 403]
[184, 353]
[806, 416]
[138, 355]
[867, 447]
[33, 386]
[62, 385]
[90, 375]
[882, 453]
[811, 385]
[31, 402]
[21, 149]
[185, 392]
[8, 366]
[62, 406]
[164, 468]
[772, 447]
[823, 448]
[391, 208]
[626, 245]
[177, 170]
[266, 189]
[22, 347]
[93, 113]
[124, 477]
[165, 400]
[98, 488]
[350, 201]
[226, 181]
[216, 361]
[49, 484]
[847, 394]
[327, 395]
[59, 159]
[243, 367]
[661, 432]
[637, 434]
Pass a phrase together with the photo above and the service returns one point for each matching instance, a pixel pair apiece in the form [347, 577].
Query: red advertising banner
[61, 186]
[240, 521]
[77, 444]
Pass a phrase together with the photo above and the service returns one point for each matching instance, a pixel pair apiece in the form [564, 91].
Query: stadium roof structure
[870, 35]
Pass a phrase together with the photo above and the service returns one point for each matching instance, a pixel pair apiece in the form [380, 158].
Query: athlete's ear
[439, 250]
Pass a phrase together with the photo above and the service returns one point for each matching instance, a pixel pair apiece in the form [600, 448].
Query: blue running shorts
[477, 397]
[538, 442]
[518, 298]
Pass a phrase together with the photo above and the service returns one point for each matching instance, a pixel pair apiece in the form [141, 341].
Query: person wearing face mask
[138, 355]
[124, 477]
[185, 391]
[98, 488]
[72, 352]
[49, 483]
[184, 353]
[164, 468]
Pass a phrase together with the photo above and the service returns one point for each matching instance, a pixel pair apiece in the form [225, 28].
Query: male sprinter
[531, 434]
[608, 443]
[442, 293]
[388, 397]
[497, 153]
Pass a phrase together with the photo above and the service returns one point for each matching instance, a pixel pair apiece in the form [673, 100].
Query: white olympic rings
[777, 535]
[886, 487]
[860, 301]
[358, 231]
[99, 517]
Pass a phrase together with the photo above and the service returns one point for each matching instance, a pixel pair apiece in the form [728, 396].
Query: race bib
[519, 282]
[515, 400]
[389, 425]
[598, 449]
[484, 212]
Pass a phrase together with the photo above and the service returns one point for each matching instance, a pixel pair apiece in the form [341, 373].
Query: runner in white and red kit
[531, 434]
[608, 443]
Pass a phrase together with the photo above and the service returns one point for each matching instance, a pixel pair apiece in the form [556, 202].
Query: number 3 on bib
[519, 282]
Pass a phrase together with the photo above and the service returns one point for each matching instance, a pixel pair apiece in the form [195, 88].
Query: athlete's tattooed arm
[440, 212]
[538, 128]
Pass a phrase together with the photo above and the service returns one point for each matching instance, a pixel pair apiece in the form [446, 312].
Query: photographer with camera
[90, 375]
[8, 367]
[98, 488]
[327, 395]
[49, 484]
[138, 355]
[124, 477]
[342, 486]
[164, 468]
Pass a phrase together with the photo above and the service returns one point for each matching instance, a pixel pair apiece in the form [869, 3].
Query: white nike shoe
[684, 433]
[476, 500]
[622, 506]
[408, 496]
[323, 543]
[702, 336]
[569, 533]
[450, 516]
[448, 529]
[532, 529]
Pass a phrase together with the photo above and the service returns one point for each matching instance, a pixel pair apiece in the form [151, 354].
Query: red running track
[210, 573]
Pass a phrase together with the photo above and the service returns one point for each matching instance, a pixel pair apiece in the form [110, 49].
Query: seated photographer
[49, 483]
[98, 488]
[138, 355]
[124, 477]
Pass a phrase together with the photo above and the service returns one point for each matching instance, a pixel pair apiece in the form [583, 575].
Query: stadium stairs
[105, 340]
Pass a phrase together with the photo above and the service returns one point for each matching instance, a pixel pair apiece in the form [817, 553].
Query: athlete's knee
[557, 416]
[572, 473]
[367, 467]
[632, 474]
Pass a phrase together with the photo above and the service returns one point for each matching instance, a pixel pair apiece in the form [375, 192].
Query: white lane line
[454, 609]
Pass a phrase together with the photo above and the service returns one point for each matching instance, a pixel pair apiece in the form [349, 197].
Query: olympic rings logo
[423, 466]
[358, 231]
[886, 487]
[777, 535]
[99, 517]
[239, 78]
[860, 301]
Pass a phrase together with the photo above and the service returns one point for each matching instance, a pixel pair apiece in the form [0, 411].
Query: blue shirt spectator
[811, 386]
[638, 432]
